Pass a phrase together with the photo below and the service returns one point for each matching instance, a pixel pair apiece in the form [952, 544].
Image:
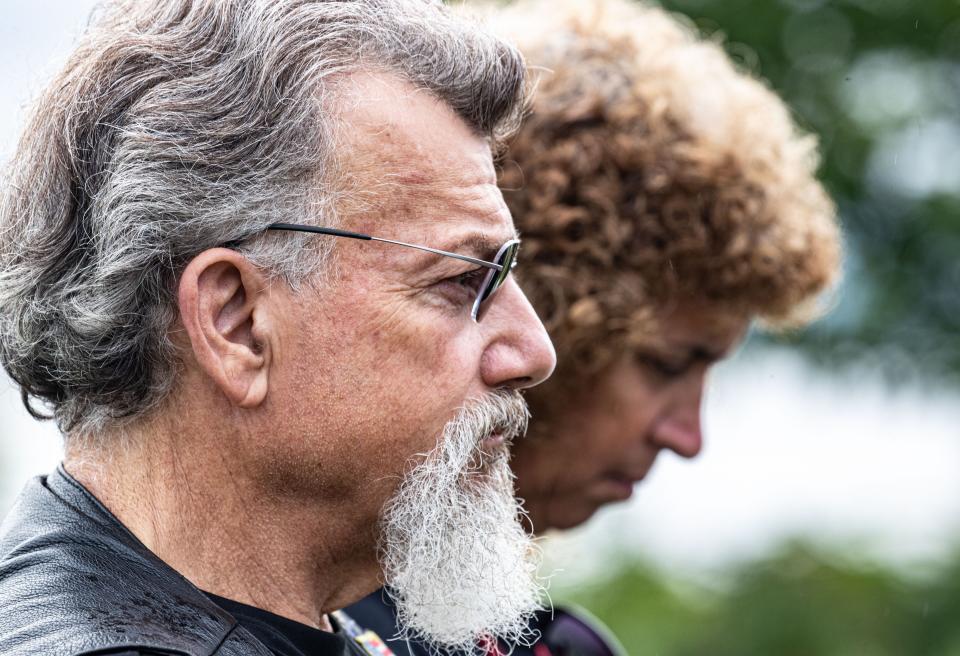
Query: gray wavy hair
[181, 125]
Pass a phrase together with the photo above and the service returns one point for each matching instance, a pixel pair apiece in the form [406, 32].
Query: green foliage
[642, 606]
[879, 82]
[801, 601]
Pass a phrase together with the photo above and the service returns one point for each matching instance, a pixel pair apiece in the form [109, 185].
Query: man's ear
[223, 307]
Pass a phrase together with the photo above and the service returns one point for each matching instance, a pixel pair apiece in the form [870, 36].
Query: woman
[667, 202]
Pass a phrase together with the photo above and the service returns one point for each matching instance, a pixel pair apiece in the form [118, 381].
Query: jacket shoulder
[74, 581]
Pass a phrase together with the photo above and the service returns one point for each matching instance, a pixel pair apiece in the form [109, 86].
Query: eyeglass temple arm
[297, 227]
[359, 235]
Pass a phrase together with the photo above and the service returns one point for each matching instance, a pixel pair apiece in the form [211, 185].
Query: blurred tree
[648, 612]
[801, 601]
[879, 82]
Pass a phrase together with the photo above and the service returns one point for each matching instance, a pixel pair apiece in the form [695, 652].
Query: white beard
[457, 562]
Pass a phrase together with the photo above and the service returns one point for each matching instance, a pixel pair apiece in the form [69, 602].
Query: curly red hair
[650, 169]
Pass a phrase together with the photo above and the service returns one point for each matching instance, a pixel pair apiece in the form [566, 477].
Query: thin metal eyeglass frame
[505, 257]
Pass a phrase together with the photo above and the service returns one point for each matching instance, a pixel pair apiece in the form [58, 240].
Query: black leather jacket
[74, 580]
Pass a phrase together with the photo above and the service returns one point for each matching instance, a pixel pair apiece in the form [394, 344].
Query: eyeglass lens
[495, 278]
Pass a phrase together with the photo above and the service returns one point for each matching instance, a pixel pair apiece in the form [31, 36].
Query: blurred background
[823, 516]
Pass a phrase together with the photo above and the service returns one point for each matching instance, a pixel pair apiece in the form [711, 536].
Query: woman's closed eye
[663, 366]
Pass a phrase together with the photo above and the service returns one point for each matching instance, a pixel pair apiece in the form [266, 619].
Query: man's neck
[193, 507]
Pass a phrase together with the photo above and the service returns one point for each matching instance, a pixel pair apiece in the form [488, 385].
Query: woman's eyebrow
[683, 356]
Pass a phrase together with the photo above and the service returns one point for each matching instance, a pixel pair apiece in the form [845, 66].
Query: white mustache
[504, 412]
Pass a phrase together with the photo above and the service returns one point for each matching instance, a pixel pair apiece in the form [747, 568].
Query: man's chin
[490, 455]
[494, 442]
[468, 568]
[455, 557]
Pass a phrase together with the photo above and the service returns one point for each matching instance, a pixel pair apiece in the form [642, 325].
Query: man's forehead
[417, 162]
[410, 135]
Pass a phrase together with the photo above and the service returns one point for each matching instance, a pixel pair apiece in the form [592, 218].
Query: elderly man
[256, 266]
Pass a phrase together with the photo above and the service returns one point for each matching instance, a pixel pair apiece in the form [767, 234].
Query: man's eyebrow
[480, 245]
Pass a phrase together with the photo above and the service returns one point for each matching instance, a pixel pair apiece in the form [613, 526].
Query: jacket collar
[74, 580]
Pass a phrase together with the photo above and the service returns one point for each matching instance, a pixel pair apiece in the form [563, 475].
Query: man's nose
[520, 353]
[680, 428]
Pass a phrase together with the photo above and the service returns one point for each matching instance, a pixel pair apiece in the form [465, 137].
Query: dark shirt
[285, 637]
[563, 632]
[377, 613]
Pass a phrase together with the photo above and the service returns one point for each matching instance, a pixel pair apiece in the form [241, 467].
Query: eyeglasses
[499, 268]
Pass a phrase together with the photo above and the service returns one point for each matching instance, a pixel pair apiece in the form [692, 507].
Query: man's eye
[463, 288]
[469, 280]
